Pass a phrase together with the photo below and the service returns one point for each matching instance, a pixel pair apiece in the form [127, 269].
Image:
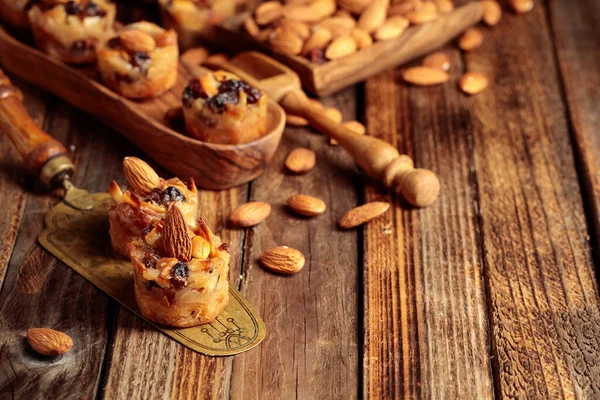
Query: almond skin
[250, 214]
[268, 12]
[282, 259]
[341, 47]
[301, 160]
[315, 11]
[470, 40]
[308, 206]
[424, 76]
[318, 40]
[338, 26]
[142, 178]
[473, 82]
[137, 41]
[286, 41]
[437, 60]
[176, 236]
[365, 213]
[49, 342]
[354, 6]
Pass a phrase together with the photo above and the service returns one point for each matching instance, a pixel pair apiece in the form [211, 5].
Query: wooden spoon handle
[377, 158]
[35, 146]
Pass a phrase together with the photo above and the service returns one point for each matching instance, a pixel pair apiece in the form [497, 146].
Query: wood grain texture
[575, 27]
[425, 315]
[542, 294]
[311, 348]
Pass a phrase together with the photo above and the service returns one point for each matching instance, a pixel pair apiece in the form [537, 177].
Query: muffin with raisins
[141, 61]
[14, 12]
[220, 108]
[145, 202]
[180, 274]
[195, 19]
[72, 30]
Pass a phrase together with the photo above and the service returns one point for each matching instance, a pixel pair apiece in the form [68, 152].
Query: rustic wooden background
[491, 292]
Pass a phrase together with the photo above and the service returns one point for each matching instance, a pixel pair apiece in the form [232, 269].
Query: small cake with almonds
[180, 274]
[14, 12]
[141, 61]
[145, 202]
[194, 19]
[72, 30]
[220, 108]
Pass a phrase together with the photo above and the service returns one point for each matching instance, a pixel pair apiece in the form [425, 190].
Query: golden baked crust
[140, 62]
[220, 108]
[181, 293]
[71, 31]
[14, 12]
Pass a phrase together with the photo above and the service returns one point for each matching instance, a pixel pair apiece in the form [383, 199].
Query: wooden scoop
[380, 160]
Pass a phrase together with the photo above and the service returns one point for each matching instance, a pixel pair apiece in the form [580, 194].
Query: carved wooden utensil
[378, 159]
[71, 235]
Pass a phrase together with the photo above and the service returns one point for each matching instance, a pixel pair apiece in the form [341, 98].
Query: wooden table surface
[490, 292]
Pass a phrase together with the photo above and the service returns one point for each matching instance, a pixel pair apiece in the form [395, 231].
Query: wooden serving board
[334, 75]
[146, 123]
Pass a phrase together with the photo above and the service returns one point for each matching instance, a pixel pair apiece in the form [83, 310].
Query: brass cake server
[76, 232]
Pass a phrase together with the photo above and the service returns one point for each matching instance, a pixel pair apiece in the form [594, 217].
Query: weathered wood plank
[311, 348]
[576, 34]
[425, 312]
[40, 291]
[543, 298]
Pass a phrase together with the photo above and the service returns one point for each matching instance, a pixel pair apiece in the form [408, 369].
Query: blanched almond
[473, 82]
[250, 214]
[137, 41]
[392, 28]
[49, 342]
[338, 26]
[319, 39]
[492, 12]
[301, 160]
[268, 12]
[373, 16]
[176, 235]
[142, 178]
[363, 39]
[424, 76]
[283, 259]
[522, 6]
[471, 39]
[308, 206]
[365, 213]
[286, 41]
[437, 60]
[341, 47]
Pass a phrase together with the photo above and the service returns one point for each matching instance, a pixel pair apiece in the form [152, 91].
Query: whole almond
[427, 12]
[295, 120]
[341, 47]
[286, 41]
[401, 9]
[424, 76]
[365, 213]
[299, 28]
[319, 39]
[334, 114]
[522, 6]
[492, 12]
[392, 28]
[444, 6]
[363, 39]
[301, 160]
[282, 259]
[176, 235]
[250, 214]
[142, 178]
[473, 82]
[437, 60]
[268, 12]
[471, 39]
[373, 16]
[354, 6]
[338, 26]
[137, 41]
[49, 342]
[315, 11]
[251, 27]
[308, 206]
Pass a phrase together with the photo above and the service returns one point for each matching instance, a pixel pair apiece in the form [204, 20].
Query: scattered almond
[424, 76]
[315, 11]
[473, 82]
[250, 214]
[362, 214]
[373, 16]
[295, 120]
[471, 39]
[522, 6]
[318, 40]
[363, 39]
[420, 187]
[437, 60]
[137, 41]
[354, 6]
[301, 160]
[268, 12]
[176, 235]
[341, 47]
[299, 28]
[492, 12]
[142, 178]
[392, 28]
[49, 342]
[282, 259]
[307, 205]
[286, 41]
[427, 12]
[338, 26]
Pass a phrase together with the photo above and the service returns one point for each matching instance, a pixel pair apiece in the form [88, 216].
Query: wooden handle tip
[420, 187]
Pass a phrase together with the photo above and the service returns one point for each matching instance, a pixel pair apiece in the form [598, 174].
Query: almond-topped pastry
[221, 108]
[141, 61]
[14, 12]
[180, 274]
[72, 30]
[194, 19]
[145, 202]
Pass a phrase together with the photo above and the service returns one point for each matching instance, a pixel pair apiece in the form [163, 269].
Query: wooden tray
[334, 75]
[145, 123]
